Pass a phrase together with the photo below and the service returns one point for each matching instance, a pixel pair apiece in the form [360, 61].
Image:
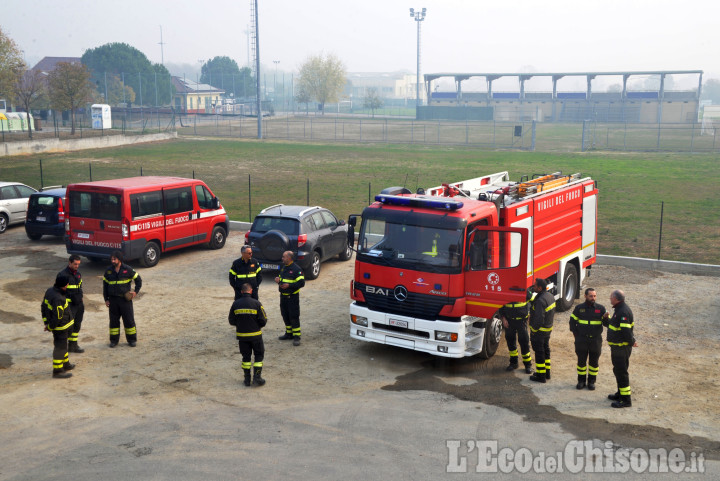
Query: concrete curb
[632, 262]
[660, 265]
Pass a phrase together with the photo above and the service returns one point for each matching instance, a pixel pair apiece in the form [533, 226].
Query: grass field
[342, 177]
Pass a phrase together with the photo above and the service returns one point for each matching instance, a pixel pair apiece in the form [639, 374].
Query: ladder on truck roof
[543, 183]
[471, 187]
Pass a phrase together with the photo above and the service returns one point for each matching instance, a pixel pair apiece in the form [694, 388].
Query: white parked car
[13, 203]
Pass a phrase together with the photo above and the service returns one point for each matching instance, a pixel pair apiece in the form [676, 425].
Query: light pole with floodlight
[419, 16]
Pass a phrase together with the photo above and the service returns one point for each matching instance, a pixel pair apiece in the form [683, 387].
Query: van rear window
[95, 205]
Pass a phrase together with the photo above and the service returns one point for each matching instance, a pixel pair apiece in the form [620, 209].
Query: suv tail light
[247, 236]
[125, 229]
[302, 239]
[61, 211]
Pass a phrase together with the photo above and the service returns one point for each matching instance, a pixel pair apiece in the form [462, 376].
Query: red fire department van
[433, 268]
[142, 217]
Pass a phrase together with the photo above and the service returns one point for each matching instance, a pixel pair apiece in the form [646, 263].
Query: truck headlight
[445, 336]
[359, 320]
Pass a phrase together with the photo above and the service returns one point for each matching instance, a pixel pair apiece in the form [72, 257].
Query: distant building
[48, 64]
[391, 85]
[196, 98]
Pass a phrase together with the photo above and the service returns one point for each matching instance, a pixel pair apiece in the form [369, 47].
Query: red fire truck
[433, 268]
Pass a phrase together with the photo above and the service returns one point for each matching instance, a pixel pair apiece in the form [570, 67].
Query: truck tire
[150, 255]
[217, 238]
[491, 341]
[347, 253]
[569, 290]
[313, 270]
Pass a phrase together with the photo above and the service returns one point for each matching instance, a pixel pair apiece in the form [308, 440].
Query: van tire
[150, 255]
[217, 238]
[569, 290]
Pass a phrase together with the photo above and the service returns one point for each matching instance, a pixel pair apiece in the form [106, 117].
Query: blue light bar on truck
[419, 202]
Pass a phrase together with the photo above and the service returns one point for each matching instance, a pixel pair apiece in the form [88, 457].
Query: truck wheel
[217, 238]
[493, 331]
[150, 255]
[314, 270]
[3, 223]
[347, 253]
[570, 286]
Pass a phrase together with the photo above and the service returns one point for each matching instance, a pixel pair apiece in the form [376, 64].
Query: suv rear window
[264, 224]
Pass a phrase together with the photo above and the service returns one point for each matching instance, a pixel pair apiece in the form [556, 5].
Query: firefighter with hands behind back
[57, 316]
[515, 317]
[119, 296]
[248, 317]
[290, 281]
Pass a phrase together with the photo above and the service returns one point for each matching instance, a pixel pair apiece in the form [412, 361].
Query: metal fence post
[90, 169]
[582, 141]
[308, 192]
[369, 191]
[532, 141]
[249, 200]
[41, 176]
[662, 209]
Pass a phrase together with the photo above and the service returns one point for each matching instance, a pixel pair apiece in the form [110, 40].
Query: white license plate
[40, 219]
[271, 266]
[395, 322]
[83, 235]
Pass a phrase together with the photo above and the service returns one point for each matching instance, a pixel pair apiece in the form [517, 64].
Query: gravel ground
[187, 361]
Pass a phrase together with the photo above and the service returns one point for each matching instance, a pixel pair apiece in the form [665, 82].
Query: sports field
[342, 177]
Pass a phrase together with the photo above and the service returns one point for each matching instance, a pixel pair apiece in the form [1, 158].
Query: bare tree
[302, 97]
[11, 66]
[70, 87]
[372, 100]
[322, 78]
[29, 88]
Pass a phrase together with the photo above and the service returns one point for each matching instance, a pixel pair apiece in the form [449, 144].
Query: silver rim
[496, 329]
[316, 265]
[151, 254]
[3, 223]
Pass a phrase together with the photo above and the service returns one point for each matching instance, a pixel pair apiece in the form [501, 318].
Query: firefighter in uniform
[118, 297]
[514, 316]
[586, 326]
[57, 316]
[75, 296]
[248, 317]
[621, 339]
[290, 281]
[542, 313]
[245, 269]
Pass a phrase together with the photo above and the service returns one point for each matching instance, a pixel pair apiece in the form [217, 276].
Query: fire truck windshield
[422, 242]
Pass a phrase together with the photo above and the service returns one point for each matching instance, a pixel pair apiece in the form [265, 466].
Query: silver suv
[13, 203]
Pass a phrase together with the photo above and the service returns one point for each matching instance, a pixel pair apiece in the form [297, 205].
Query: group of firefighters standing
[586, 324]
[63, 311]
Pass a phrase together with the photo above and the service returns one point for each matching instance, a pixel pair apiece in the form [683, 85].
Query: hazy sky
[380, 35]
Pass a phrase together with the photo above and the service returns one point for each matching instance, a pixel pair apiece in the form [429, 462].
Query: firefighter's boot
[61, 374]
[247, 377]
[624, 402]
[286, 337]
[68, 366]
[528, 368]
[614, 397]
[581, 382]
[591, 382]
[257, 378]
[74, 347]
[538, 377]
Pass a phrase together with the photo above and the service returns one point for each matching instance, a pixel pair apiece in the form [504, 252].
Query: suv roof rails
[302, 212]
[271, 207]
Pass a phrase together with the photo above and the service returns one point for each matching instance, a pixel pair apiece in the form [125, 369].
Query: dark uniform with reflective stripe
[516, 314]
[542, 314]
[75, 295]
[620, 337]
[243, 272]
[115, 285]
[57, 316]
[290, 298]
[586, 326]
[248, 317]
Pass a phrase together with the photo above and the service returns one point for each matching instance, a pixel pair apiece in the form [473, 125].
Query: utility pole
[419, 16]
[162, 55]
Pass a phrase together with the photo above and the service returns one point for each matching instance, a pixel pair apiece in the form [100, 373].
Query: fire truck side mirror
[351, 235]
[352, 220]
